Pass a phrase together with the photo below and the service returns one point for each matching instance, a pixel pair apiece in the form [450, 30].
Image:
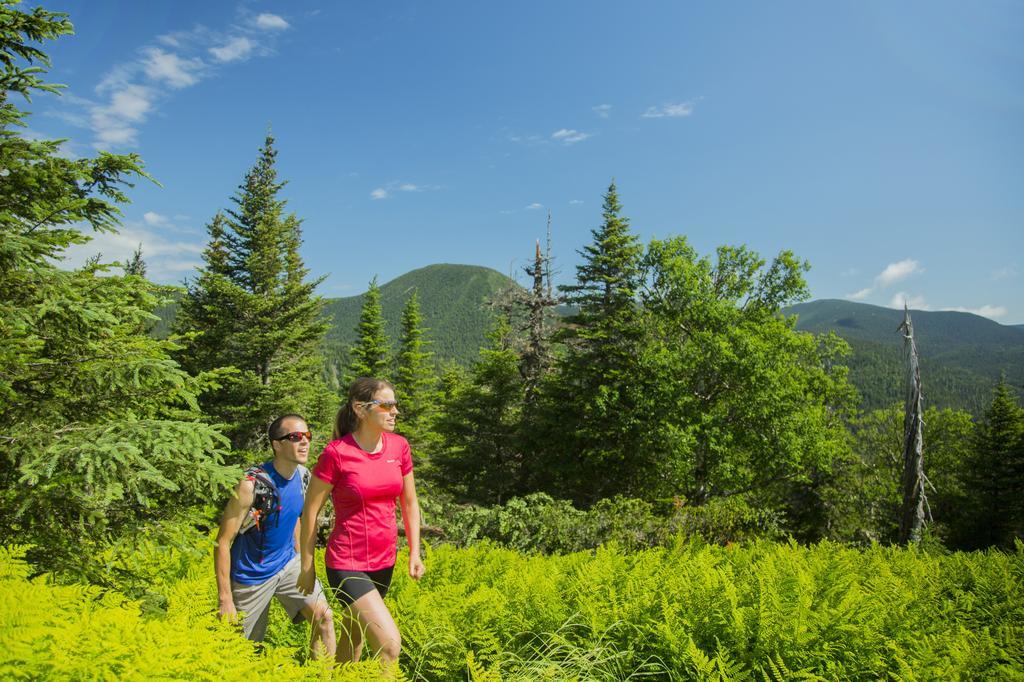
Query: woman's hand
[306, 580]
[416, 567]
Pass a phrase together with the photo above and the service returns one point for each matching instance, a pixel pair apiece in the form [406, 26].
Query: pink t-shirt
[365, 535]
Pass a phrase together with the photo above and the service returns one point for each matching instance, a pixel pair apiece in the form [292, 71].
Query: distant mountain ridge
[962, 355]
[452, 300]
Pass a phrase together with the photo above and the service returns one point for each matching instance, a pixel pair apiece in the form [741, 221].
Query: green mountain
[962, 355]
[452, 300]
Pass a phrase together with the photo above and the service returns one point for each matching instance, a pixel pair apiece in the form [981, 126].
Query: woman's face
[381, 412]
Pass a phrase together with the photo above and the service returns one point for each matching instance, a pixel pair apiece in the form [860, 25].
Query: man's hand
[416, 567]
[227, 611]
[306, 580]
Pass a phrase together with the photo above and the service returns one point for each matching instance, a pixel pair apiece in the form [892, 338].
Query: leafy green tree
[738, 401]
[253, 308]
[862, 491]
[416, 382]
[995, 473]
[480, 425]
[591, 403]
[369, 357]
[102, 439]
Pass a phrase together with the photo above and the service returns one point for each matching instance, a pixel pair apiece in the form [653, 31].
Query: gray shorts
[254, 600]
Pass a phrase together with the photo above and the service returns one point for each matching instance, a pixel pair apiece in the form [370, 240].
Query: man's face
[294, 451]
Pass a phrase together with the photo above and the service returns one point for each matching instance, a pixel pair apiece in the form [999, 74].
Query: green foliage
[995, 473]
[480, 425]
[101, 432]
[539, 523]
[758, 610]
[252, 310]
[79, 632]
[602, 422]
[692, 611]
[452, 300]
[370, 354]
[862, 491]
[416, 383]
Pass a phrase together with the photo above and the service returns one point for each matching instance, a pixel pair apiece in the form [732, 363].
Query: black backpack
[266, 502]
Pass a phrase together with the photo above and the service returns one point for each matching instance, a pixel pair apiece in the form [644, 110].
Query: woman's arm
[316, 495]
[411, 519]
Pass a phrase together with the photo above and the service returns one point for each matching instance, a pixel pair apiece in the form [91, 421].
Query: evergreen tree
[101, 436]
[369, 356]
[416, 383]
[136, 265]
[253, 308]
[480, 425]
[591, 401]
[995, 475]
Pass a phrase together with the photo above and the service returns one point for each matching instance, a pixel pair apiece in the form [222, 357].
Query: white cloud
[409, 187]
[914, 302]
[176, 60]
[894, 272]
[1008, 272]
[154, 219]
[167, 261]
[379, 193]
[132, 103]
[234, 50]
[678, 110]
[169, 67]
[534, 206]
[989, 311]
[859, 295]
[271, 22]
[603, 110]
[569, 136]
[573, 202]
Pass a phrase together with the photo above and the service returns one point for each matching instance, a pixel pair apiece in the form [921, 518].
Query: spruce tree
[592, 398]
[416, 382]
[369, 355]
[253, 308]
[483, 457]
[994, 474]
[101, 433]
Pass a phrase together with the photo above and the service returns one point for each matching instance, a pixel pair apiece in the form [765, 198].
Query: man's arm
[230, 522]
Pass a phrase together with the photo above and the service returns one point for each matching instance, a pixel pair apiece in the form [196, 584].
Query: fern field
[761, 611]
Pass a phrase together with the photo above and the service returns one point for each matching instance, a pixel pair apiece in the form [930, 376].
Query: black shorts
[351, 585]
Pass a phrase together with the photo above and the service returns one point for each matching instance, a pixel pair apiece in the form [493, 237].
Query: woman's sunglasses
[295, 436]
[384, 405]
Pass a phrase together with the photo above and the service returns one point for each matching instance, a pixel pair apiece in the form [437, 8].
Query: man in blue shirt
[255, 557]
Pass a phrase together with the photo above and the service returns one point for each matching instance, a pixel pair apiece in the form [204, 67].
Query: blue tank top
[258, 554]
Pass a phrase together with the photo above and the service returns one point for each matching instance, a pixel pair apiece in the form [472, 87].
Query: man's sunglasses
[295, 436]
[384, 405]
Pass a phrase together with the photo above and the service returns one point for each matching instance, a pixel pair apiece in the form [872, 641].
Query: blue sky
[881, 141]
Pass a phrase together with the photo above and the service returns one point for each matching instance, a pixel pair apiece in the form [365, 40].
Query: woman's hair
[362, 390]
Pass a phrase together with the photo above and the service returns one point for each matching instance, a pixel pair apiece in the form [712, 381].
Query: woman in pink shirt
[364, 469]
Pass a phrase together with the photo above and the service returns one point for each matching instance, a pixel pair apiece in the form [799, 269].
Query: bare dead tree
[912, 512]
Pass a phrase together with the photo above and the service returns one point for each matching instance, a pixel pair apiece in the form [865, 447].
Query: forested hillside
[452, 301]
[962, 355]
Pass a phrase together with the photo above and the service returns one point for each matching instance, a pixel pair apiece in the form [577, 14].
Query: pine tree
[995, 477]
[369, 355]
[592, 398]
[136, 265]
[102, 438]
[416, 382]
[483, 460]
[253, 308]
